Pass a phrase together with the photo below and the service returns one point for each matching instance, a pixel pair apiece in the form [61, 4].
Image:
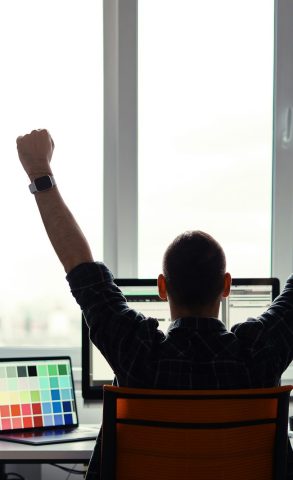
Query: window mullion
[282, 207]
[120, 137]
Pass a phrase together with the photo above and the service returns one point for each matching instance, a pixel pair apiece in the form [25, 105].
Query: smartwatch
[42, 183]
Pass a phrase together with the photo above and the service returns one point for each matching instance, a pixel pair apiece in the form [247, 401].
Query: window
[205, 86]
[192, 140]
[51, 64]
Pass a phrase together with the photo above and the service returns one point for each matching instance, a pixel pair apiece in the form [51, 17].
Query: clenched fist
[35, 151]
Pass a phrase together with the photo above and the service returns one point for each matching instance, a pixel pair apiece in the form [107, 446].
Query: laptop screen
[248, 298]
[36, 393]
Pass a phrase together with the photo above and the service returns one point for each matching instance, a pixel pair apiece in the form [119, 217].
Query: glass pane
[51, 76]
[205, 128]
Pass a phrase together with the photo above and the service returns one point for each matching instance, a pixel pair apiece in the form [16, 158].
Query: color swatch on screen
[36, 393]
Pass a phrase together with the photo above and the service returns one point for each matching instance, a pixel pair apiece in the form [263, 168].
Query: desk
[71, 452]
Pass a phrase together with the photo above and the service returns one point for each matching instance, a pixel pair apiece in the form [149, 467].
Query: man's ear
[162, 287]
[227, 284]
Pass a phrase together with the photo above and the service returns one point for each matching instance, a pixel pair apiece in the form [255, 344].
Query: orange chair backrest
[202, 435]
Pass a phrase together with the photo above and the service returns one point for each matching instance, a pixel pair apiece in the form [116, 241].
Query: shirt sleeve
[271, 334]
[125, 337]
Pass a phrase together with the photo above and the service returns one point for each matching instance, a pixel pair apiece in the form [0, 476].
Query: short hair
[194, 266]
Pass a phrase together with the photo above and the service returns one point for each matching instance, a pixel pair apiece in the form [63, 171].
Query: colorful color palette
[36, 393]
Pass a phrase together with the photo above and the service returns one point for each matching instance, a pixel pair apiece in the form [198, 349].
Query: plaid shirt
[196, 353]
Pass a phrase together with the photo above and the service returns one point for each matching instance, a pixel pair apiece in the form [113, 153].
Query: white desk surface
[72, 452]
[77, 452]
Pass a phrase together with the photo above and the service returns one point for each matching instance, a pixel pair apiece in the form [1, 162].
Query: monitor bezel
[94, 392]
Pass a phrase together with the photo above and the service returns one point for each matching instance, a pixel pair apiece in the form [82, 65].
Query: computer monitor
[248, 298]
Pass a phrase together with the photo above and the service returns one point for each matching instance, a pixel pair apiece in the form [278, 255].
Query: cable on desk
[69, 470]
[69, 474]
[15, 476]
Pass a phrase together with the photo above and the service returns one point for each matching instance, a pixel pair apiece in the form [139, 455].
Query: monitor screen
[248, 298]
[36, 392]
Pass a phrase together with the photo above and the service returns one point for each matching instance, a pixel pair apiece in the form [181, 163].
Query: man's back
[200, 353]
[195, 353]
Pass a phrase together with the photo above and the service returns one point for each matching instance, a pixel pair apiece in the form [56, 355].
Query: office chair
[194, 434]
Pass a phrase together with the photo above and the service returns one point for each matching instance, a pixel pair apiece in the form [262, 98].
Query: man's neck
[206, 311]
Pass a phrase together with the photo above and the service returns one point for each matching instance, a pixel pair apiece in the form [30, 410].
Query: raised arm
[35, 151]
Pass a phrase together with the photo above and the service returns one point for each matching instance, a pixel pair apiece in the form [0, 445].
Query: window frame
[282, 196]
[120, 138]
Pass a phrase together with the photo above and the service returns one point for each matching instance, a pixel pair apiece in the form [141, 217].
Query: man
[198, 351]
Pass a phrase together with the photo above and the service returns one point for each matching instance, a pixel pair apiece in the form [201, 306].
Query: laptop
[38, 403]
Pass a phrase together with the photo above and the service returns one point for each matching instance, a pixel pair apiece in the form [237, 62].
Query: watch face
[43, 183]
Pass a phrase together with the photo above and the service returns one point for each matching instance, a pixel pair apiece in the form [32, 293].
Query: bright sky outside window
[205, 128]
[51, 77]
